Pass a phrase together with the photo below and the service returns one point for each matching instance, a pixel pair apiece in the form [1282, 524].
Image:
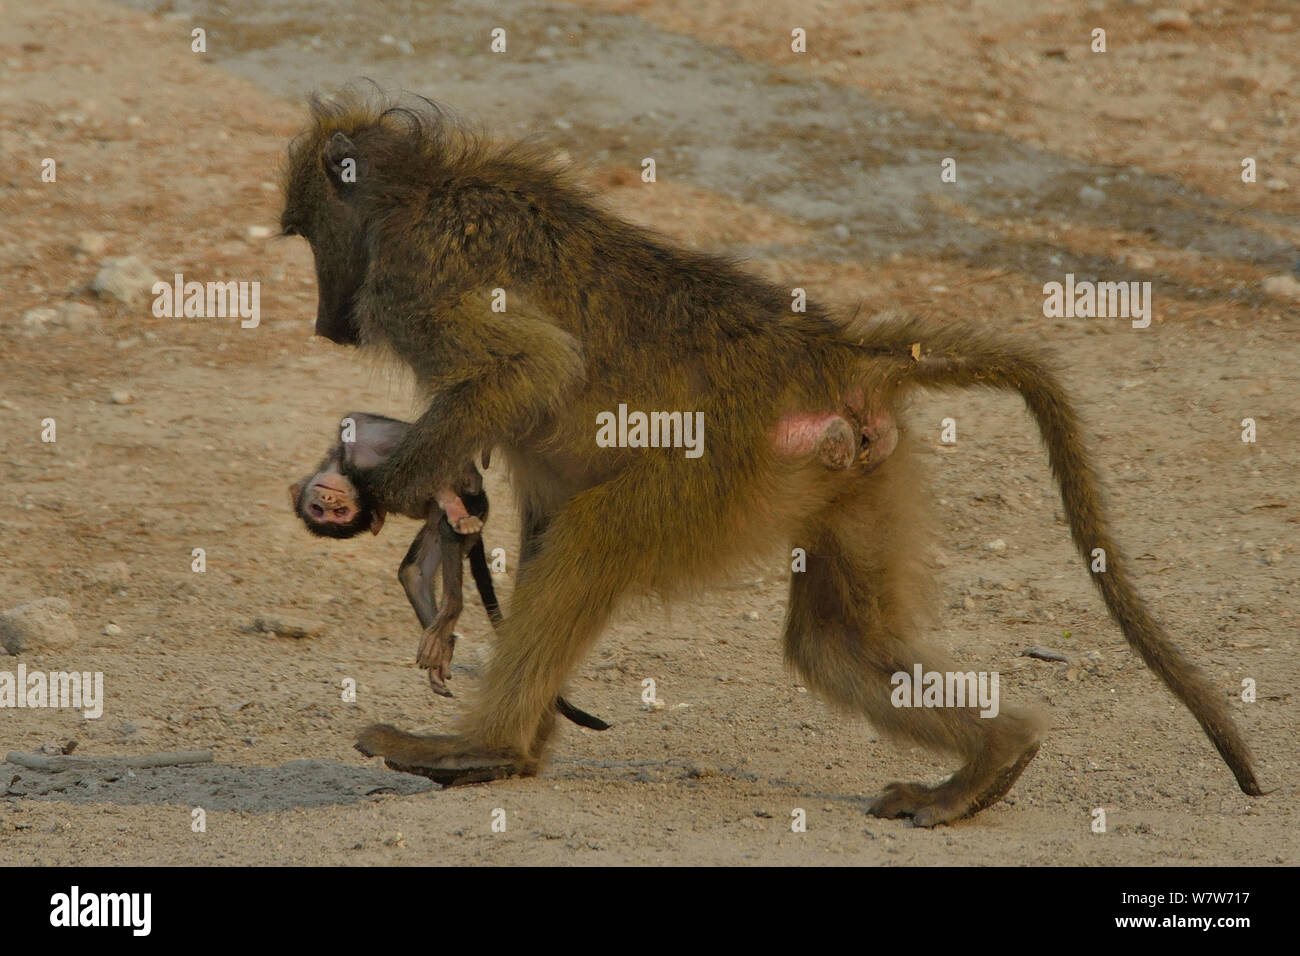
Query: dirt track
[823, 172]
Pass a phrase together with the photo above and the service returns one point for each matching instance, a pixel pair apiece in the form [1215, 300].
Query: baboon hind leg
[851, 625]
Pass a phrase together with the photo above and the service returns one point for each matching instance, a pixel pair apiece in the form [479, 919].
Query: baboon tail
[961, 356]
[482, 574]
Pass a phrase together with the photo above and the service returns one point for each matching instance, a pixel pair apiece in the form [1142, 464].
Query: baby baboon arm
[417, 571]
[505, 375]
[439, 641]
[458, 516]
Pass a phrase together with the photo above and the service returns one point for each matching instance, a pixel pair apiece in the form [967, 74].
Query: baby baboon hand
[436, 649]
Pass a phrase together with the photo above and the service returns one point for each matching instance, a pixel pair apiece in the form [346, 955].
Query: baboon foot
[957, 797]
[447, 760]
[436, 649]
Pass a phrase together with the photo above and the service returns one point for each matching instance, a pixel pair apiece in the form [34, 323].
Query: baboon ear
[295, 490]
[340, 161]
[377, 521]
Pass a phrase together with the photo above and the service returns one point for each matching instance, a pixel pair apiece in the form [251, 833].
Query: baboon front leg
[851, 627]
[560, 606]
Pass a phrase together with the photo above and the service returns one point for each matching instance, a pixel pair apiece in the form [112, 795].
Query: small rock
[1282, 285]
[78, 317]
[1216, 124]
[1171, 20]
[38, 320]
[1091, 196]
[122, 397]
[841, 232]
[1043, 654]
[404, 47]
[259, 232]
[91, 244]
[114, 574]
[1276, 185]
[112, 630]
[70, 316]
[653, 705]
[997, 545]
[37, 625]
[125, 278]
[750, 615]
[1141, 260]
[286, 627]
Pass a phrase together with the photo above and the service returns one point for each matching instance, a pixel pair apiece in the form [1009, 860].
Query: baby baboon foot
[955, 799]
[436, 649]
[447, 760]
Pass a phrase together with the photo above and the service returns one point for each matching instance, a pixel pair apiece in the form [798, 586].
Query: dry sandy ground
[822, 170]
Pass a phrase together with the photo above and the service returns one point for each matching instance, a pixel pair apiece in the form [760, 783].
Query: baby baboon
[412, 223]
[336, 502]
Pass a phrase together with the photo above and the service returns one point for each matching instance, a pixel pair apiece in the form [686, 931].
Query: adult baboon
[412, 221]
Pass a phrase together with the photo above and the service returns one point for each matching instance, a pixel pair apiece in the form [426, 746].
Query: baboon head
[322, 193]
[332, 505]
